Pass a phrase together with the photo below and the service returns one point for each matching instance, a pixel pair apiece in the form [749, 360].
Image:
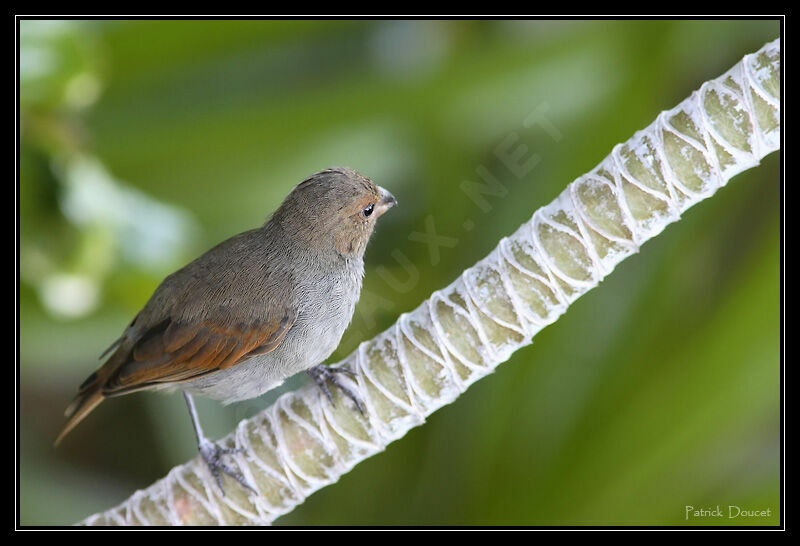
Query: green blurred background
[146, 143]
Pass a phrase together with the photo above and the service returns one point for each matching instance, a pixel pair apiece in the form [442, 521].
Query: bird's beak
[386, 202]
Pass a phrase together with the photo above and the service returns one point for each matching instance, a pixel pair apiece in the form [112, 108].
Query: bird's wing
[174, 351]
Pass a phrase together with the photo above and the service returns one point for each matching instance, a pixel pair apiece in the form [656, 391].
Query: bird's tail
[90, 395]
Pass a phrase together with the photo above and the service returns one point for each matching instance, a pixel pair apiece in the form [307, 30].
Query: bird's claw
[322, 374]
[212, 455]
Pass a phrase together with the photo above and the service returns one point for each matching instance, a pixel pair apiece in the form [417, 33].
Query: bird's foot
[212, 454]
[322, 374]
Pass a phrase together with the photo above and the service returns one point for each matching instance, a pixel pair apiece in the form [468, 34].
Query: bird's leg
[212, 453]
[322, 374]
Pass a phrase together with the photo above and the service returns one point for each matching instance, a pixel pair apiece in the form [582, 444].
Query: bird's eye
[368, 210]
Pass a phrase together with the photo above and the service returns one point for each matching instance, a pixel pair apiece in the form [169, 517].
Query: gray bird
[252, 311]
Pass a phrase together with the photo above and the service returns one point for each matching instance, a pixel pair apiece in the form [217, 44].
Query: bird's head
[334, 210]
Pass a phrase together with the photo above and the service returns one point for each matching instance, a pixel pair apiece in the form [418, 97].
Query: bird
[257, 308]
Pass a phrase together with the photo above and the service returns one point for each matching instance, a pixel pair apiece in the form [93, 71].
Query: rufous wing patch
[175, 351]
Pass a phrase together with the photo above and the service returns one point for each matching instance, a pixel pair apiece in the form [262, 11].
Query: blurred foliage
[145, 143]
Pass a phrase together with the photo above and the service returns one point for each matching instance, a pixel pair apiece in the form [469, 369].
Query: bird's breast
[325, 314]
